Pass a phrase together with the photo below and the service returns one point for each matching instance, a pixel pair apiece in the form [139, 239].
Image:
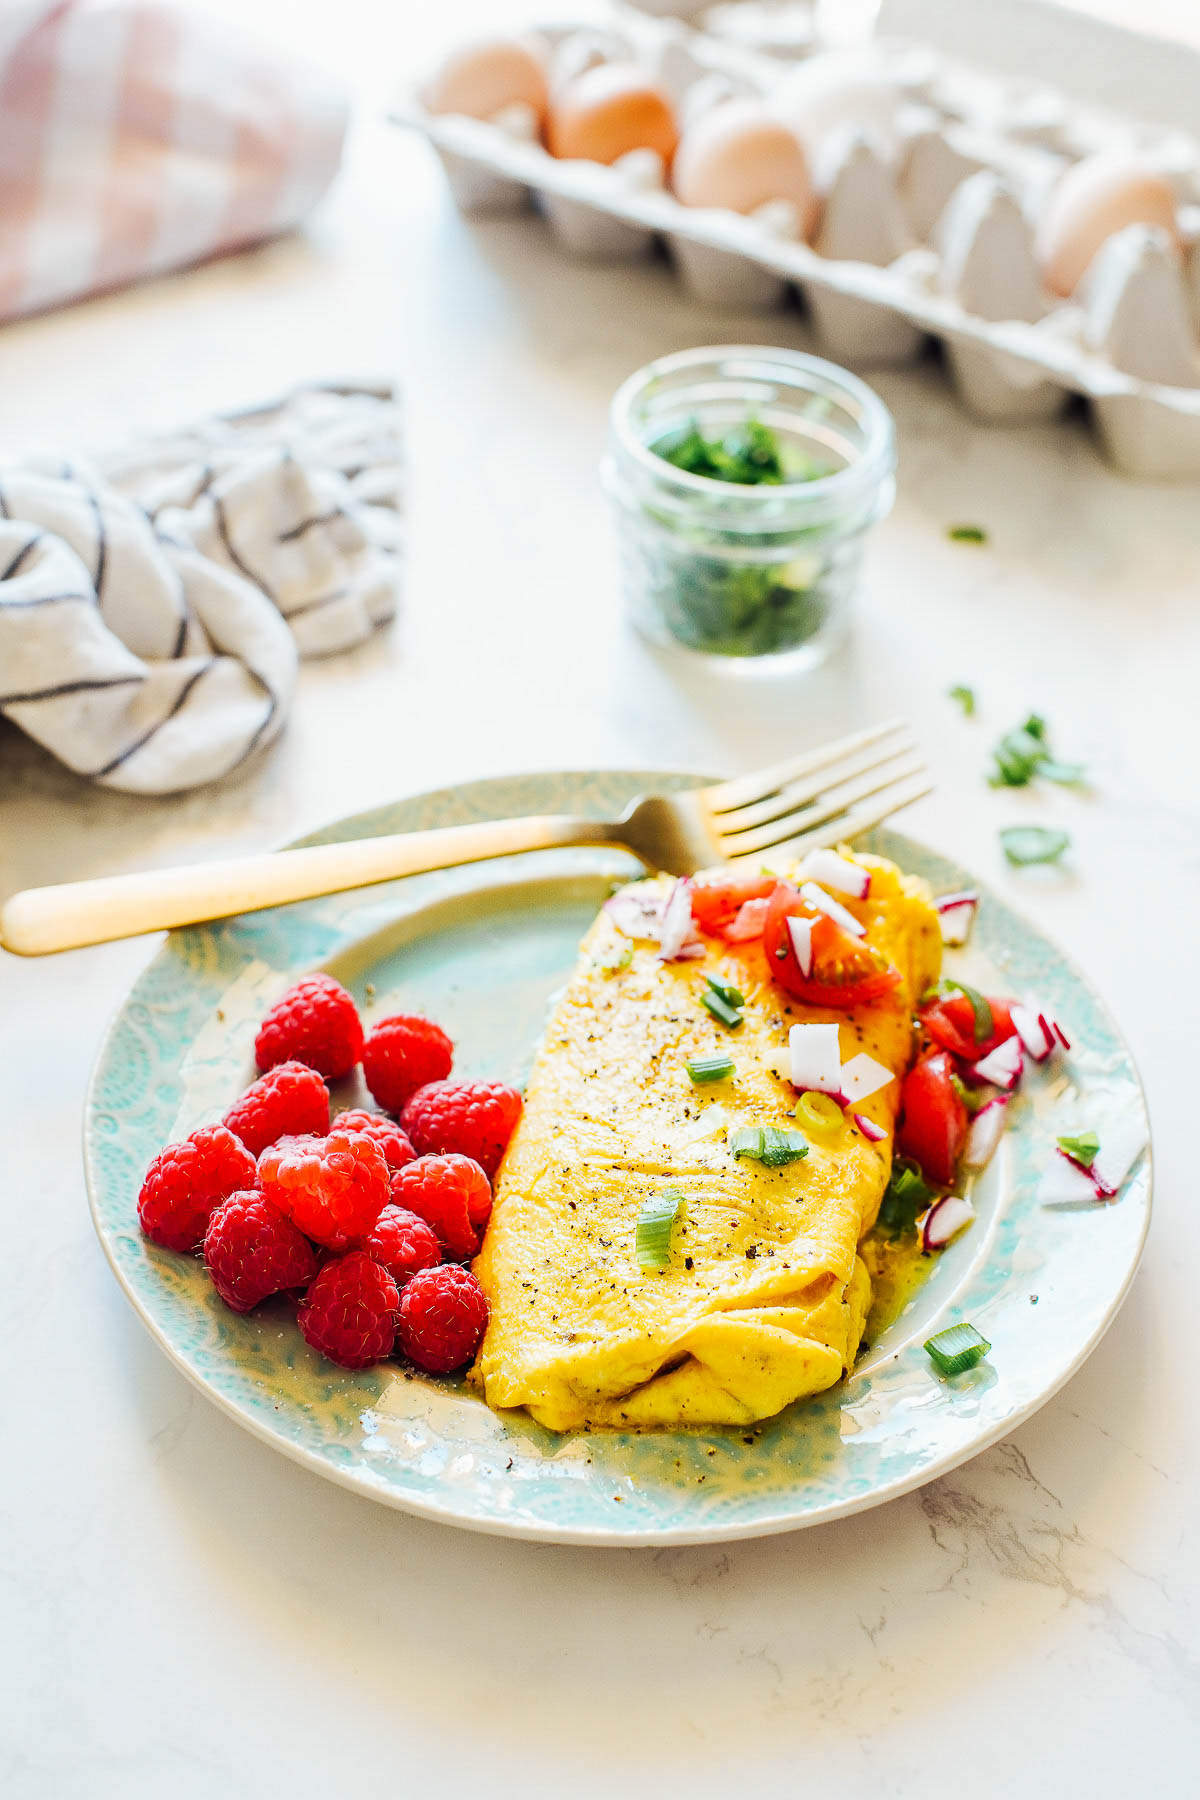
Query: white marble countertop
[187, 1614]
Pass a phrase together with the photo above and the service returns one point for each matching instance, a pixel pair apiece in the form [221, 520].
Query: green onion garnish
[966, 699]
[1026, 844]
[769, 1145]
[907, 1194]
[1025, 753]
[974, 1099]
[1083, 1149]
[718, 1067]
[966, 534]
[726, 991]
[652, 1240]
[721, 1009]
[616, 960]
[983, 1022]
[957, 1348]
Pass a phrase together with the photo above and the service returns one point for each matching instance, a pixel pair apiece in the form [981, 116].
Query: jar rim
[873, 462]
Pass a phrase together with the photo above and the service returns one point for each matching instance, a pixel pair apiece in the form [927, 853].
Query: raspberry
[443, 1315]
[315, 1022]
[290, 1100]
[474, 1118]
[349, 1312]
[253, 1251]
[385, 1132]
[333, 1188]
[450, 1192]
[402, 1054]
[185, 1181]
[403, 1243]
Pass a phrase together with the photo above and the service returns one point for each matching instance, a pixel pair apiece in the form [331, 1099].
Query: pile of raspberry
[370, 1218]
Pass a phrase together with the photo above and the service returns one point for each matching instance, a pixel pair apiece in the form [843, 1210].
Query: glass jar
[753, 575]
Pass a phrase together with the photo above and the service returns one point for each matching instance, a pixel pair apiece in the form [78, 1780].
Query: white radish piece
[862, 1076]
[873, 1133]
[839, 873]
[1001, 1066]
[956, 915]
[833, 909]
[987, 1128]
[1034, 1032]
[800, 932]
[676, 927]
[816, 1059]
[944, 1219]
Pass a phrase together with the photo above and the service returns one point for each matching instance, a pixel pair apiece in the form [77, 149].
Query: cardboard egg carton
[926, 230]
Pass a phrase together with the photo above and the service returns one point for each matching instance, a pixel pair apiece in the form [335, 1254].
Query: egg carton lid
[1129, 72]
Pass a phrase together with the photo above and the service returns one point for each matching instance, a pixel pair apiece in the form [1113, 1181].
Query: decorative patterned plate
[482, 949]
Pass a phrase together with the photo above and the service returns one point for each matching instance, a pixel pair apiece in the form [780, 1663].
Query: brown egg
[1097, 198]
[738, 156]
[481, 79]
[608, 111]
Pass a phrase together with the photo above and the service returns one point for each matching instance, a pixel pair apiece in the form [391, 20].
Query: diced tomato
[933, 1119]
[749, 923]
[717, 904]
[950, 1022]
[845, 971]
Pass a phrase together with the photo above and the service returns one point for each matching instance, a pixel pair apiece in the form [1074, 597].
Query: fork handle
[41, 920]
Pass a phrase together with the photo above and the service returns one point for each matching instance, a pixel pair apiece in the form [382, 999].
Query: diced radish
[636, 913]
[800, 932]
[956, 913]
[839, 873]
[1065, 1183]
[692, 951]
[944, 1218]
[987, 1128]
[833, 909]
[1033, 1031]
[1122, 1143]
[873, 1133]
[1001, 1066]
[862, 1076]
[751, 917]
[676, 926]
[816, 1059]
[1059, 1033]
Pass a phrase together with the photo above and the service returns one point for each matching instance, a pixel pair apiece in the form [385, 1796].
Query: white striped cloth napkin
[135, 137]
[155, 601]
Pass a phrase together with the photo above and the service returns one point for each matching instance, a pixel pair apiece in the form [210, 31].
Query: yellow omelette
[764, 1296]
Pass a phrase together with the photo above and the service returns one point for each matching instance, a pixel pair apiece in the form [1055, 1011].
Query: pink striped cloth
[135, 138]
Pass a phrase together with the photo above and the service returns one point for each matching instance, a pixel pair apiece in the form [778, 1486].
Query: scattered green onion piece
[1024, 845]
[907, 1194]
[820, 1115]
[966, 699]
[726, 991]
[966, 534]
[1083, 1149]
[957, 1348]
[1025, 753]
[710, 1068]
[652, 1239]
[769, 1145]
[973, 1099]
[615, 961]
[983, 1023]
[721, 1009]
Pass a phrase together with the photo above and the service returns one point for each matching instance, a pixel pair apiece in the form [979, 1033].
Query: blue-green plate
[482, 949]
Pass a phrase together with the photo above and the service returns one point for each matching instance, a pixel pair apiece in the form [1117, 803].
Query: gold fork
[821, 797]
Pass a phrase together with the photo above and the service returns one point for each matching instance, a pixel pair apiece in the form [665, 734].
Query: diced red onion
[751, 917]
[873, 1133]
[816, 1059]
[1033, 1031]
[800, 932]
[862, 1076]
[1001, 1066]
[944, 1218]
[833, 909]
[987, 1128]
[839, 873]
[956, 914]
[692, 951]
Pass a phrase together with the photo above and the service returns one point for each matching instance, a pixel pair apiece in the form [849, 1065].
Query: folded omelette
[765, 1295]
